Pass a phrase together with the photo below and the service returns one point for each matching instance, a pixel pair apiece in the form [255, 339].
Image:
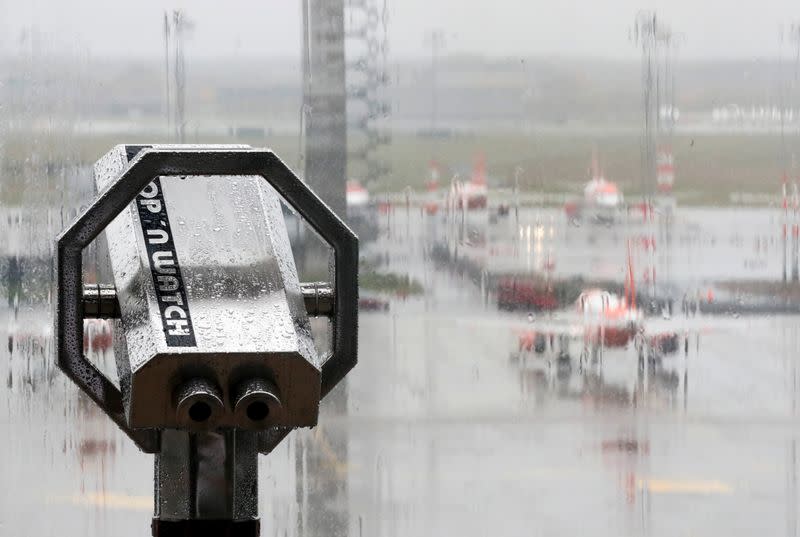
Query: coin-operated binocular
[213, 346]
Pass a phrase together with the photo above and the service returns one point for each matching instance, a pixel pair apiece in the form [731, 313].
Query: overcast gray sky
[712, 28]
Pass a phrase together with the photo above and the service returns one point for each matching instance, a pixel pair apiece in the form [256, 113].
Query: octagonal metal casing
[206, 283]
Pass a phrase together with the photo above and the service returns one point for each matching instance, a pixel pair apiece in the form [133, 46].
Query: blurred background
[580, 235]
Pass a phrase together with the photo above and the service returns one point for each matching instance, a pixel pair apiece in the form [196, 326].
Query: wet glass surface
[578, 307]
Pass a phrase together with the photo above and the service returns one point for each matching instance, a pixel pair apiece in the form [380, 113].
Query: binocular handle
[147, 165]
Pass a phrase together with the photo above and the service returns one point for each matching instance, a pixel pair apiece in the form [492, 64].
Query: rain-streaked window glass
[577, 274]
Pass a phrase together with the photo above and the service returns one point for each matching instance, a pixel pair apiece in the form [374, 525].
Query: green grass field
[708, 167]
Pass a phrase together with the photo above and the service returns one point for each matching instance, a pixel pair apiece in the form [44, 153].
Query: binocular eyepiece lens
[255, 401]
[198, 404]
[257, 410]
[199, 411]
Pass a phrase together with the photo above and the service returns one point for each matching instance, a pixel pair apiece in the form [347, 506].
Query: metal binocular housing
[196, 264]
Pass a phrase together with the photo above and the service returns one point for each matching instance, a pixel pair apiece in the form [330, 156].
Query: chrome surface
[256, 402]
[100, 301]
[319, 298]
[241, 293]
[212, 255]
[198, 404]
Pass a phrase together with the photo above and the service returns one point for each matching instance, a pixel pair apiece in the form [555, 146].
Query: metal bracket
[100, 300]
[319, 299]
[147, 165]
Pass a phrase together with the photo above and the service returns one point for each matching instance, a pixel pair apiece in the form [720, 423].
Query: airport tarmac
[442, 430]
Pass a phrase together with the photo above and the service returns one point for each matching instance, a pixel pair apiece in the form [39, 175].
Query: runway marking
[685, 486]
[332, 460]
[108, 500]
